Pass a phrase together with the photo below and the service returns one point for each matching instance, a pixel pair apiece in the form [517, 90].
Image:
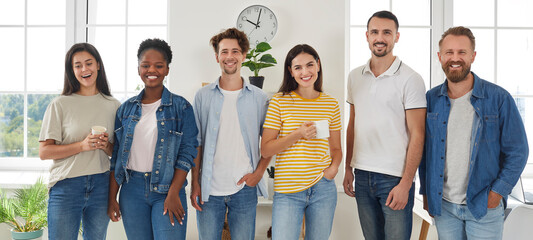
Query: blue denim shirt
[499, 148]
[176, 130]
[252, 105]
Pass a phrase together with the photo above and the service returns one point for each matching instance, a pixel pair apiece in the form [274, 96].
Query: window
[117, 28]
[40, 32]
[414, 45]
[33, 74]
[504, 43]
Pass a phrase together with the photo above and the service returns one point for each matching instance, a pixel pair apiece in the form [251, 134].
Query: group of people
[465, 137]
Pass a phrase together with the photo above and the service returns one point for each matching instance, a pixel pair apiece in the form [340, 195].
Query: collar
[245, 84]
[478, 91]
[393, 69]
[166, 100]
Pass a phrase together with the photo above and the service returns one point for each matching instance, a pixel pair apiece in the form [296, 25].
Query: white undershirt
[144, 139]
[231, 161]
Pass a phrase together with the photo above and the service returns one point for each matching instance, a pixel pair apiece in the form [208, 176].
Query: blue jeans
[241, 208]
[457, 223]
[377, 220]
[78, 199]
[317, 203]
[142, 210]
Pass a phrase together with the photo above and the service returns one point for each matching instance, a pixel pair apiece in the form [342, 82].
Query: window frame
[448, 16]
[77, 29]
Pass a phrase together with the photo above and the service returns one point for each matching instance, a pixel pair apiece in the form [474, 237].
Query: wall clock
[259, 23]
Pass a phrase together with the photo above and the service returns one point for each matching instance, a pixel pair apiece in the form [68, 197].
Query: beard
[456, 76]
[381, 54]
[230, 71]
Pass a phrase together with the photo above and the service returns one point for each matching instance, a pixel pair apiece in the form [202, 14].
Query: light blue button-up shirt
[252, 105]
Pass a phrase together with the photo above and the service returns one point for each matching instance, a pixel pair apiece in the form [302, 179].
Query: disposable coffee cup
[322, 129]
[97, 130]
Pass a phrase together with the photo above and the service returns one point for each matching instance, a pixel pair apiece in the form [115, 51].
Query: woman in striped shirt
[305, 165]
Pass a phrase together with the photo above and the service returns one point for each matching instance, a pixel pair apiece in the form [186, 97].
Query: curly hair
[155, 44]
[231, 33]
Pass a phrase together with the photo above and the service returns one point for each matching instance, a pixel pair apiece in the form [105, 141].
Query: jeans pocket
[327, 180]
[499, 205]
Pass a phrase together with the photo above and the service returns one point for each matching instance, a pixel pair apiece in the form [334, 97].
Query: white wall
[315, 22]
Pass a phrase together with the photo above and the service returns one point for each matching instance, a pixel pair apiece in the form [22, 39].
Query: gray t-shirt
[68, 119]
[458, 149]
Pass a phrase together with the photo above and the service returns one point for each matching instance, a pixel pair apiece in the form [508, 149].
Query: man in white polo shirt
[385, 135]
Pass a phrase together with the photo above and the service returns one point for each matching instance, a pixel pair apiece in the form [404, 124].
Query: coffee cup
[97, 130]
[322, 129]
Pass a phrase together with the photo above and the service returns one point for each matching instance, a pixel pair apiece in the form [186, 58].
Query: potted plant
[257, 60]
[26, 211]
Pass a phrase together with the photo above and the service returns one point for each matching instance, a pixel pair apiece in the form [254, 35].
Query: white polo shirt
[381, 134]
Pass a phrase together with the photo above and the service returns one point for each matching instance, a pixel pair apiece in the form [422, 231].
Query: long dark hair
[289, 84]
[71, 84]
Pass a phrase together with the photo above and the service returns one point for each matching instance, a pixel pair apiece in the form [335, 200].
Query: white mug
[322, 129]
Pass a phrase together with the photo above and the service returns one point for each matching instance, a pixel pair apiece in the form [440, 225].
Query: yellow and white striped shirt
[300, 166]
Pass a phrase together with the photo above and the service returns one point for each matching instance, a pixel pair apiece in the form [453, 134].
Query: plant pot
[26, 235]
[257, 81]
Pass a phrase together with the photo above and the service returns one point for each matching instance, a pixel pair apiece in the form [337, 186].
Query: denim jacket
[498, 152]
[176, 129]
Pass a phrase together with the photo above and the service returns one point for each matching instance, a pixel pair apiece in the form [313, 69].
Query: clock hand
[258, 17]
[250, 33]
[251, 23]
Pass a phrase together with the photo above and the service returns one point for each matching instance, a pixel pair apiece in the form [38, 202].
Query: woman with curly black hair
[154, 150]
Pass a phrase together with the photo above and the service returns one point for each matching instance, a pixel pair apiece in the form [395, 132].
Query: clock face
[259, 23]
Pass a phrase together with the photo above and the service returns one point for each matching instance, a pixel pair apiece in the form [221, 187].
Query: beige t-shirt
[68, 119]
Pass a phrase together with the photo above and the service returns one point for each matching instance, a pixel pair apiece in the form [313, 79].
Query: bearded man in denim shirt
[475, 147]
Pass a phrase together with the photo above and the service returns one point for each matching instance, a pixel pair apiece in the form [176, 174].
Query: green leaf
[28, 204]
[262, 47]
[267, 58]
[253, 66]
[264, 65]
[257, 61]
[250, 54]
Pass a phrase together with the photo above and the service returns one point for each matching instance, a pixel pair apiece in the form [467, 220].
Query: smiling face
[230, 56]
[153, 68]
[456, 57]
[85, 69]
[381, 36]
[304, 69]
